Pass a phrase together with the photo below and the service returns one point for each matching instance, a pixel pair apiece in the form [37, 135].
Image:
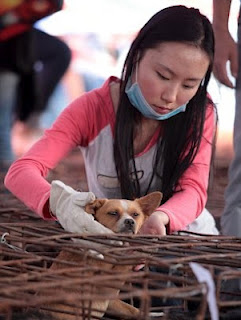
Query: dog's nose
[128, 226]
[129, 223]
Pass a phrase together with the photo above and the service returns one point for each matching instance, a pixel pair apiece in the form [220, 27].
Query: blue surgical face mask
[136, 98]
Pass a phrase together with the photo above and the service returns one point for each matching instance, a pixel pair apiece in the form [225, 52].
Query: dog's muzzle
[129, 226]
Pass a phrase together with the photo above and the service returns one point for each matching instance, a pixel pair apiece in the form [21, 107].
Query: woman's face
[170, 75]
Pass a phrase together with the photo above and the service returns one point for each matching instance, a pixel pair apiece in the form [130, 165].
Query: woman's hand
[155, 224]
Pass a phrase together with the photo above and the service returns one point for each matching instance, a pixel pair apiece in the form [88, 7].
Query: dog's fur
[124, 216]
[121, 216]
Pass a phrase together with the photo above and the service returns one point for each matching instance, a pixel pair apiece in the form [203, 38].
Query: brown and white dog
[124, 216]
[121, 216]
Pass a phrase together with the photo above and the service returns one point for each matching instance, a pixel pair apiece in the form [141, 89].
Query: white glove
[68, 206]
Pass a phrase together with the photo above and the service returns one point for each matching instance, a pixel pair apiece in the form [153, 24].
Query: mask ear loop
[136, 67]
[136, 71]
[135, 80]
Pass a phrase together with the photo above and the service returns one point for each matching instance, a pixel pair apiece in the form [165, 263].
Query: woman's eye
[162, 76]
[188, 87]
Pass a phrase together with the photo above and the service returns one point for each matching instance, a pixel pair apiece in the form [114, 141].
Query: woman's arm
[190, 198]
[188, 202]
[26, 177]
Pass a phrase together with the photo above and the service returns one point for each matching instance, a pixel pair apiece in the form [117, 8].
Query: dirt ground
[215, 203]
[219, 178]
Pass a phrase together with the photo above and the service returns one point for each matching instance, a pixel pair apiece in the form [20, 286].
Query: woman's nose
[169, 94]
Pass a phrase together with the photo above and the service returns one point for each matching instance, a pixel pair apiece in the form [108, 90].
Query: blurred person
[32, 63]
[93, 62]
[228, 51]
[153, 129]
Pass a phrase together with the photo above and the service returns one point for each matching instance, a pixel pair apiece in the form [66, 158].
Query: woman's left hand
[155, 224]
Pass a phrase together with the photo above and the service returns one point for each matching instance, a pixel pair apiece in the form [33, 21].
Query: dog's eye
[135, 214]
[113, 213]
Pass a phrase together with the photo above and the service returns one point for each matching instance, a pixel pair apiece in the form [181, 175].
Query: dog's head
[124, 216]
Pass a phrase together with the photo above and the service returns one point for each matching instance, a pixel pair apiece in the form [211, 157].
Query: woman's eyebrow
[173, 73]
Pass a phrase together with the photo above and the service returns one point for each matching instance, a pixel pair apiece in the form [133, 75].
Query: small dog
[124, 216]
[121, 216]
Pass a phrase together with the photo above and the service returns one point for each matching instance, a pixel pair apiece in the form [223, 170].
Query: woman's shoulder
[92, 111]
[210, 124]
[97, 99]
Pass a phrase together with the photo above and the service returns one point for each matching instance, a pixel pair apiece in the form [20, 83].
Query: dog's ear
[150, 202]
[95, 205]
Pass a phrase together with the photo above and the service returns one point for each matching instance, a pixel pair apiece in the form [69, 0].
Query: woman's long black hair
[181, 135]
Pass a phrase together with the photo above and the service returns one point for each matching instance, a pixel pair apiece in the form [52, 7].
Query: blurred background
[98, 33]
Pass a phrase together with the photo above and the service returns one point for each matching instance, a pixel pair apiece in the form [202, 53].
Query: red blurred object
[19, 15]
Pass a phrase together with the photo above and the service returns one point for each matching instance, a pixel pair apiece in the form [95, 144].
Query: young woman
[153, 129]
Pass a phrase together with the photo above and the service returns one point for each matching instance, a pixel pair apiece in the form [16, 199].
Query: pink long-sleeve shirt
[88, 122]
